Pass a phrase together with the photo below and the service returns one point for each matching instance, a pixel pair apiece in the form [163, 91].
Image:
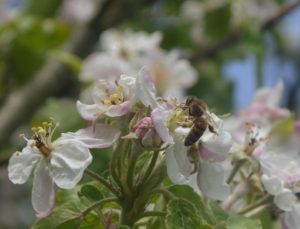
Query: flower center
[115, 98]
[41, 137]
[252, 138]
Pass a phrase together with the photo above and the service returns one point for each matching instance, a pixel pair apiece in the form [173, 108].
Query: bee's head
[189, 100]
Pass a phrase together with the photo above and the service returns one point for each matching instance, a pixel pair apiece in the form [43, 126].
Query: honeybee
[198, 111]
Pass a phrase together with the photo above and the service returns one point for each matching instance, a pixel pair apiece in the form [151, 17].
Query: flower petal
[174, 172]
[291, 219]
[273, 185]
[22, 163]
[145, 88]
[69, 163]
[211, 181]
[119, 110]
[158, 119]
[285, 200]
[102, 136]
[216, 148]
[88, 112]
[43, 191]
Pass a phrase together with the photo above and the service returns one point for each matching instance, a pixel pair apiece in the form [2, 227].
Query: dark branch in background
[235, 36]
[54, 77]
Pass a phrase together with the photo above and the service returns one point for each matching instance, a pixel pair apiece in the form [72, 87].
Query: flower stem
[97, 204]
[151, 165]
[169, 195]
[258, 203]
[102, 181]
[235, 169]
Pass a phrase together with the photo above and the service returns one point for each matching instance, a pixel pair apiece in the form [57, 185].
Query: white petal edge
[145, 88]
[21, 164]
[273, 185]
[69, 163]
[285, 200]
[211, 181]
[100, 136]
[43, 191]
[87, 112]
[158, 119]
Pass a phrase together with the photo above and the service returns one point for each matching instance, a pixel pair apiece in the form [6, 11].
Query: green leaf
[182, 214]
[66, 214]
[123, 227]
[217, 21]
[240, 222]
[43, 8]
[91, 192]
[187, 193]
[218, 212]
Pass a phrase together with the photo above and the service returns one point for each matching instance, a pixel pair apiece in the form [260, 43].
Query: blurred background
[236, 46]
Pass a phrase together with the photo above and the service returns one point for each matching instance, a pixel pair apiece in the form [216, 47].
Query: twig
[54, 76]
[235, 36]
[102, 181]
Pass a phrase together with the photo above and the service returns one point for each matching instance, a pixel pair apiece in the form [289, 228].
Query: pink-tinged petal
[297, 127]
[100, 136]
[158, 119]
[119, 110]
[88, 112]
[21, 164]
[211, 181]
[291, 219]
[145, 88]
[285, 200]
[216, 148]
[43, 191]
[69, 163]
[273, 185]
[259, 150]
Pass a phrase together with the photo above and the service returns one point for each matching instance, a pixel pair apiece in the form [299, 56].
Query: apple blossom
[127, 52]
[117, 98]
[58, 163]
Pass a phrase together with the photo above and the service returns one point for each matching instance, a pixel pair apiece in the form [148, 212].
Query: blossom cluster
[254, 155]
[127, 52]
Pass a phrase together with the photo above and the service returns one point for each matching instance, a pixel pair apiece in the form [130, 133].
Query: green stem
[114, 165]
[169, 195]
[235, 169]
[151, 214]
[97, 204]
[258, 203]
[134, 154]
[102, 181]
[151, 166]
[255, 212]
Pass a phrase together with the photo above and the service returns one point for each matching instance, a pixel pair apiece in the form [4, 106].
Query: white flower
[170, 72]
[127, 52]
[60, 163]
[291, 219]
[129, 45]
[214, 147]
[103, 66]
[111, 98]
[116, 98]
[280, 166]
[208, 174]
[77, 11]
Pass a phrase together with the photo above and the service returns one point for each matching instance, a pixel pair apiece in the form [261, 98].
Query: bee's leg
[212, 129]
